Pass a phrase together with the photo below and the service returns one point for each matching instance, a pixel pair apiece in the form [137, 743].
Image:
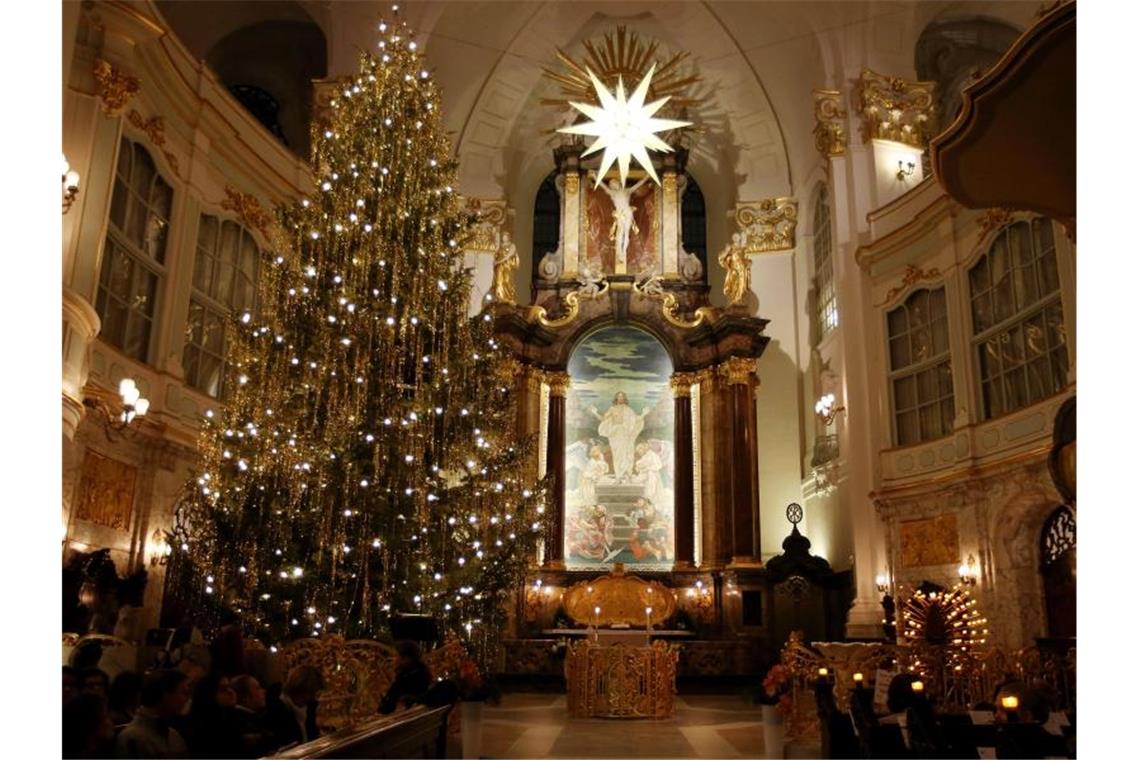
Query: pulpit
[617, 671]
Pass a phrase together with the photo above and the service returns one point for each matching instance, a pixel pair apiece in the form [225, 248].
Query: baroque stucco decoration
[830, 123]
[767, 225]
[114, 87]
[892, 108]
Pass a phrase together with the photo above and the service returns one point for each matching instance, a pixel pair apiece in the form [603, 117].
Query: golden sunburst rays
[623, 54]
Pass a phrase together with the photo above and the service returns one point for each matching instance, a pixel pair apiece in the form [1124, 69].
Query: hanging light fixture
[70, 185]
[132, 406]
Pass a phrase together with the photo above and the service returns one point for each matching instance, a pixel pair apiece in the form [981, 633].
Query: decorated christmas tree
[364, 463]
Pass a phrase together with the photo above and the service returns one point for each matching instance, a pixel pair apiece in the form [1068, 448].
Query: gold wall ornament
[737, 370]
[768, 225]
[911, 276]
[572, 181]
[993, 219]
[491, 217]
[248, 210]
[930, 541]
[622, 54]
[154, 127]
[114, 87]
[622, 600]
[830, 123]
[892, 108]
[651, 286]
[106, 491]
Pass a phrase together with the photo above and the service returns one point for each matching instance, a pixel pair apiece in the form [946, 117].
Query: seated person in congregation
[291, 717]
[412, 679]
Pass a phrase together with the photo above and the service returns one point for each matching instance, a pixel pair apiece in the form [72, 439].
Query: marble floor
[704, 726]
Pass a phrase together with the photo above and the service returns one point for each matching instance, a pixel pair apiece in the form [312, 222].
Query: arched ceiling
[759, 62]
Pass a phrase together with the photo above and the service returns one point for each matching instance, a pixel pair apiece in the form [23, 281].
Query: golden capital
[737, 370]
[572, 182]
[114, 87]
[830, 123]
[892, 108]
[669, 184]
[559, 383]
[507, 369]
[681, 383]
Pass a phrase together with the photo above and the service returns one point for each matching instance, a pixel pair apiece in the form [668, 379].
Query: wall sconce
[967, 572]
[918, 687]
[160, 548]
[132, 405]
[70, 185]
[826, 409]
[902, 173]
[882, 583]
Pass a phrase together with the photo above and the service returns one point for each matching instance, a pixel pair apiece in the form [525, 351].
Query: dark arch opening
[1058, 548]
[694, 223]
[270, 66]
[547, 220]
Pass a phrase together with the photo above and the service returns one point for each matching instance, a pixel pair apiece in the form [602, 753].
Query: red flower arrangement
[472, 686]
[777, 689]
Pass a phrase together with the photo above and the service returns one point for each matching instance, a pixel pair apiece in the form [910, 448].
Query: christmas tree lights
[364, 464]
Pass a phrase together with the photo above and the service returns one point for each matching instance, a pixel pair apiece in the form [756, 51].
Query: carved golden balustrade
[357, 673]
[952, 683]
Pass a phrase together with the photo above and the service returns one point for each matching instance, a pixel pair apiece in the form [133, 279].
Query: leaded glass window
[225, 281]
[921, 383]
[1019, 324]
[134, 257]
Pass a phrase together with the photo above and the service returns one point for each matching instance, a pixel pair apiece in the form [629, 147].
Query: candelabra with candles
[890, 631]
[132, 406]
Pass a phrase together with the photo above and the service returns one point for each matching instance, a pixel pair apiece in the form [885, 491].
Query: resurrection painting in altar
[642, 231]
[619, 452]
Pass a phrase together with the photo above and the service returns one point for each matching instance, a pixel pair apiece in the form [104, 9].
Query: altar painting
[619, 452]
[643, 252]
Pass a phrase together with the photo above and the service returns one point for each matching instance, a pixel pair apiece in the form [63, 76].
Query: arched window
[134, 257]
[225, 281]
[922, 388]
[1059, 572]
[547, 219]
[693, 224]
[1019, 325]
[826, 311]
[262, 106]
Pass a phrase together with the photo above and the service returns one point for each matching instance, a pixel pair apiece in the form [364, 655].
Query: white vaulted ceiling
[759, 62]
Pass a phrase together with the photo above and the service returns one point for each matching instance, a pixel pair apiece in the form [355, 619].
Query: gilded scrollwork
[993, 219]
[830, 123]
[620, 600]
[114, 87]
[892, 108]
[911, 276]
[491, 217]
[768, 224]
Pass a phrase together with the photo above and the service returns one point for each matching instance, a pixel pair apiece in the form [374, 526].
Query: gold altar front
[621, 680]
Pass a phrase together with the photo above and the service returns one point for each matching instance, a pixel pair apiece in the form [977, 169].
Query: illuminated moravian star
[624, 127]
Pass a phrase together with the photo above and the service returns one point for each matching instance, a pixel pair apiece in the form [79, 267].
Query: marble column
[559, 383]
[681, 383]
[740, 378]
